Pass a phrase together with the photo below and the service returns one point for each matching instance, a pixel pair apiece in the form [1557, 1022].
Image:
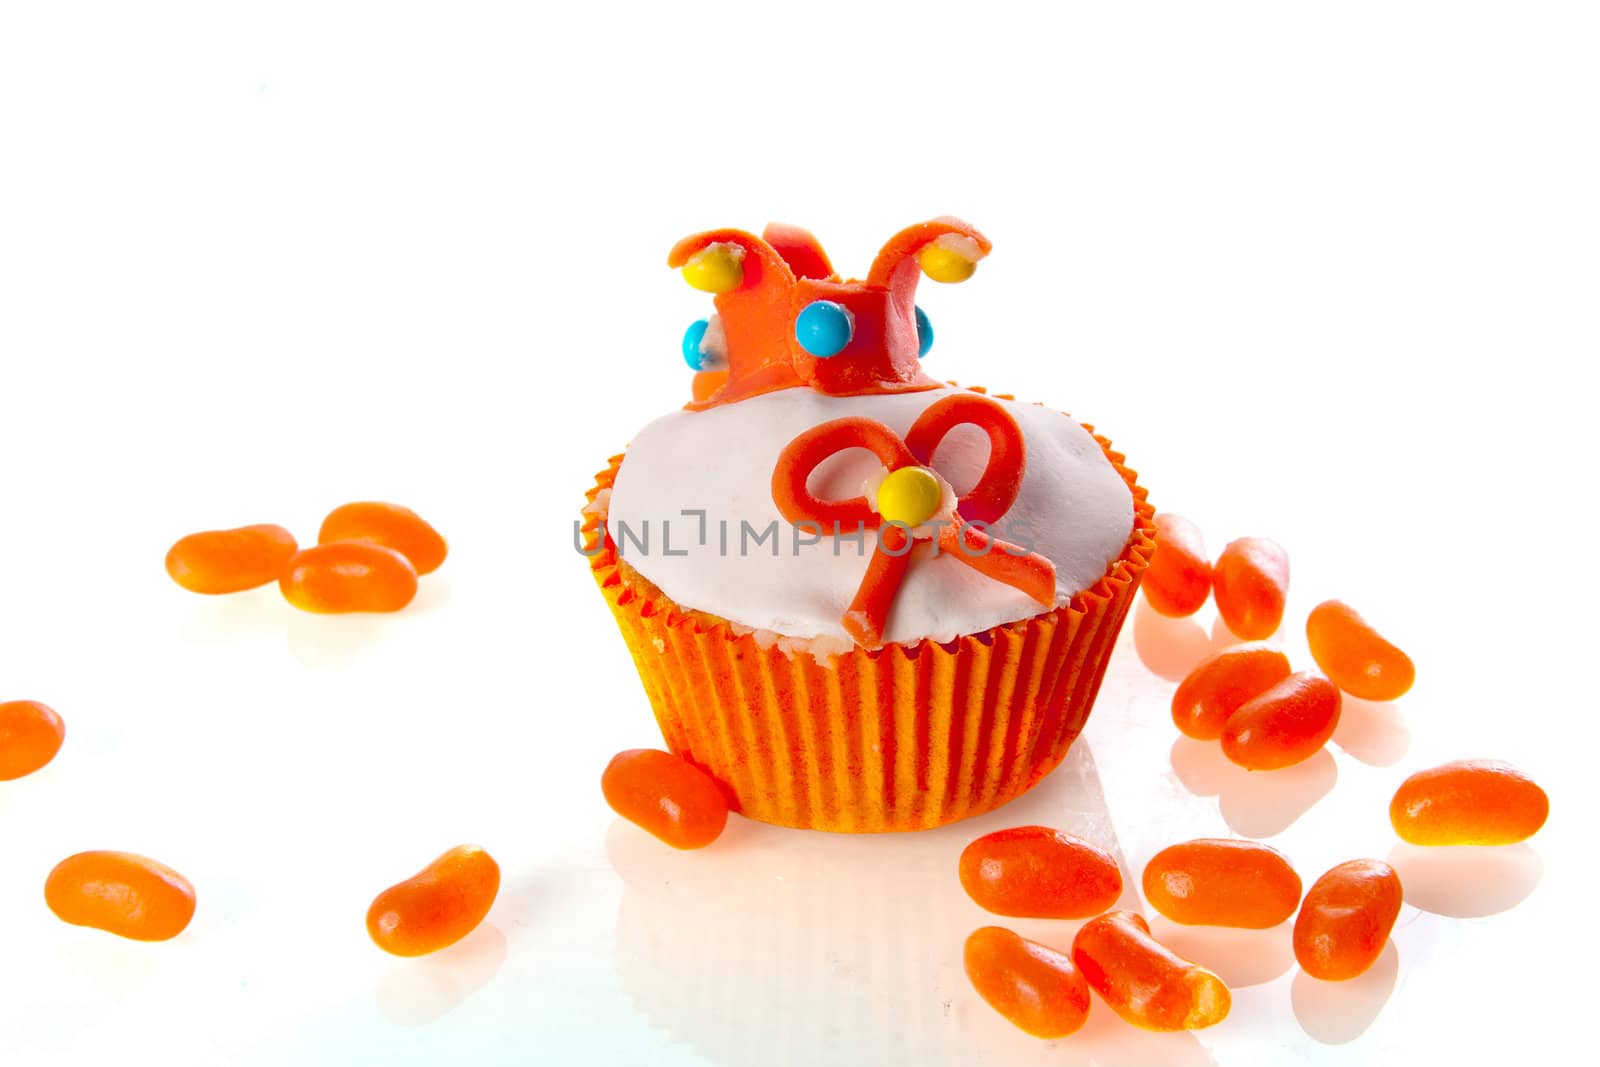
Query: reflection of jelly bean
[390, 525]
[437, 906]
[1222, 882]
[1219, 685]
[348, 576]
[1346, 918]
[1037, 872]
[1035, 987]
[1251, 583]
[1178, 580]
[121, 893]
[1145, 982]
[230, 561]
[1354, 656]
[1283, 726]
[1468, 802]
[665, 795]
[30, 736]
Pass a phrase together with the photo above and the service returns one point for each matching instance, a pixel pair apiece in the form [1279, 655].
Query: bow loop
[987, 502]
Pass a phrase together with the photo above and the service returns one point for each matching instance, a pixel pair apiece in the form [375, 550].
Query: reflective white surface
[1326, 275]
[292, 785]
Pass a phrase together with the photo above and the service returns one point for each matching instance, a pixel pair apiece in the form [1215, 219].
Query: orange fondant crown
[764, 284]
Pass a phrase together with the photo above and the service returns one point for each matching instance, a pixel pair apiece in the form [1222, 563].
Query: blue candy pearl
[823, 328]
[692, 338]
[924, 333]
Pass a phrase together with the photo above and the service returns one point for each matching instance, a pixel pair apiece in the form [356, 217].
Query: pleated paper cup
[903, 737]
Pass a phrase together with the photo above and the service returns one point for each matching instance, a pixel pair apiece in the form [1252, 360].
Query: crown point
[824, 328]
[924, 333]
[717, 268]
[950, 258]
[910, 496]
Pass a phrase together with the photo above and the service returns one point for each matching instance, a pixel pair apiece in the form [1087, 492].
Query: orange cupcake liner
[904, 737]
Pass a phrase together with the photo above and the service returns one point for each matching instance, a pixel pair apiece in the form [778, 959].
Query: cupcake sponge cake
[860, 598]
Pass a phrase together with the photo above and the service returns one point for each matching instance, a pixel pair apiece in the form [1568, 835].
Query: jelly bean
[1283, 726]
[390, 525]
[1222, 882]
[665, 795]
[230, 561]
[437, 906]
[1037, 872]
[924, 333]
[1221, 684]
[30, 736]
[1354, 656]
[1036, 988]
[910, 495]
[693, 337]
[717, 268]
[1178, 580]
[121, 893]
[1468, 802]
[1346, 918]
[348, 576]
[1251, 582]
[824, 328]
[705, 345]
[1145, 982]
[950, 258]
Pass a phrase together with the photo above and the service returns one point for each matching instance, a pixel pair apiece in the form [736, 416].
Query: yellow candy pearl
[944, 263]
[910, 495]
[717, 268]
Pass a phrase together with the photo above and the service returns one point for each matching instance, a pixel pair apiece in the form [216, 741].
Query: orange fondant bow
[986, 502]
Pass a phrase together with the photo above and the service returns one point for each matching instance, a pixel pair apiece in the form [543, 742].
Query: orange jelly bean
[1221, 684]
[1222, 882]
[1145, 982]
[1469, 802]
[1178, 580]
[230, 561]
[121, 893]
[1035, 987]
[1037, 872]
[389, 525]
[30, 736]
[1251, 582]
[1285, 725]
[348, 576]
[1354, 656]
[437, 906]
[1346, 918]
[665, 795]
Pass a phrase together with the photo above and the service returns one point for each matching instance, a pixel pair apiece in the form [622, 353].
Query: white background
[1327, 273]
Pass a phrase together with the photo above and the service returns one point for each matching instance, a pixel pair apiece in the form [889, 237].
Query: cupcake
[860, 598]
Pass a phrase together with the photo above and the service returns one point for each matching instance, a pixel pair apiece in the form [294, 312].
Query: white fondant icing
[1073, 508]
